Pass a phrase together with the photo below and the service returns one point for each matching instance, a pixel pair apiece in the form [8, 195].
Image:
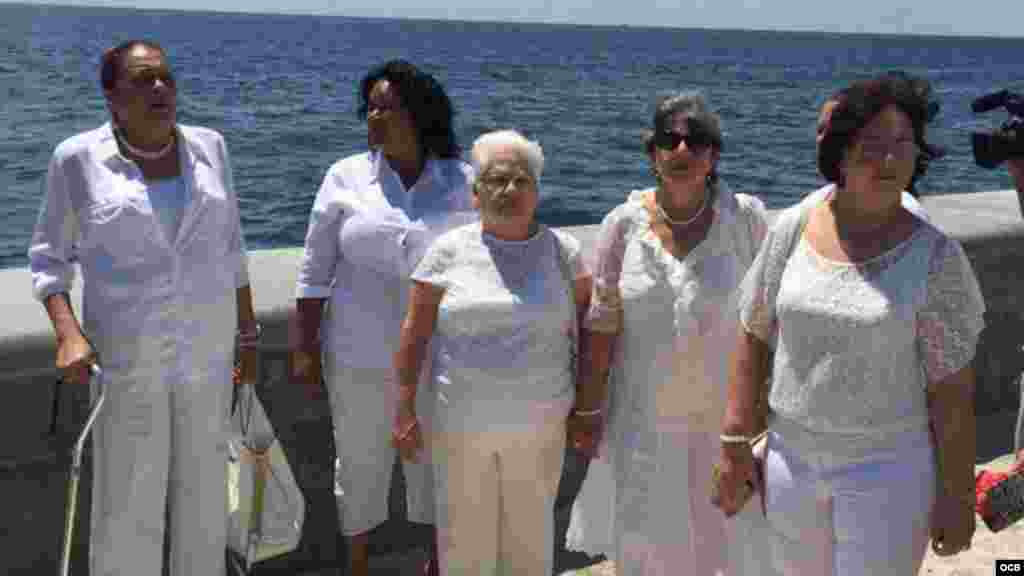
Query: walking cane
[76, 469]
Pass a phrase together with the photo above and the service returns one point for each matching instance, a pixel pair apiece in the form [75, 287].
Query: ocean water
[282, 89]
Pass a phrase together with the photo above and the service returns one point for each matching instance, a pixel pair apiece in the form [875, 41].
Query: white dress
[667, 390]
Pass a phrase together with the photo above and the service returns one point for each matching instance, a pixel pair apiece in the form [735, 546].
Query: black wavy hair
[858, 104]
[112, 60]
[424, 98]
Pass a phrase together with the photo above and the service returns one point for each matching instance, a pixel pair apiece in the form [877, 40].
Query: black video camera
[991, 150]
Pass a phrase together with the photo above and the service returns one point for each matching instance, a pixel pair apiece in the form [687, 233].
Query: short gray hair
[488, 143]
[692, 105]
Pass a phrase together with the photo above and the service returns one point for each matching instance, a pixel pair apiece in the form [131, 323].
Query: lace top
[856, 343]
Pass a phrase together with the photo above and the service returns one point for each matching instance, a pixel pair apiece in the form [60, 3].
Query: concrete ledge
[33, 464]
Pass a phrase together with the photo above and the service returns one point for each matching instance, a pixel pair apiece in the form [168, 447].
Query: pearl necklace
[682, 223]
[142, 153]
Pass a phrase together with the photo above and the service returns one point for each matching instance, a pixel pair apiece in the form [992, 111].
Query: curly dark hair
[424, 98]
[858, 104]
[112, 60]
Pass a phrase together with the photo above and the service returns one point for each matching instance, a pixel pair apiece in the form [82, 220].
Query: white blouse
[856, 343]
[366, 234]
[502, 354]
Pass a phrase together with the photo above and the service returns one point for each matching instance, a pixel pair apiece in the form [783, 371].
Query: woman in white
[874, 316]
[669, 261]
[371, 222]
[497, 298]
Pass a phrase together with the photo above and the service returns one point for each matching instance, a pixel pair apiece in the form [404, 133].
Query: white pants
[852, 520]
[363, 407]
[495, 499]
[159, 448]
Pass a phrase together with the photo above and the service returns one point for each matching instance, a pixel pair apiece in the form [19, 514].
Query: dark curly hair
[111, 63]
[424, 98]
[858, 104]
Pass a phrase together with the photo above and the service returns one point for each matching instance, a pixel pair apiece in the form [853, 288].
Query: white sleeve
[237, 241]
[321, 252]
[435, 265]
[55, 236]
[574, 251]
[760, 286]
[605, 313]
[952, 319]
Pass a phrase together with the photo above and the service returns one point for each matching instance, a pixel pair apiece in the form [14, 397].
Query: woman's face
[883, 154]
[505, 191]
[682, 158]
[144, 98]
[389, 126]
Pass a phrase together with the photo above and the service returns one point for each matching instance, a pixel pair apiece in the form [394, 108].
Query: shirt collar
[108, 147]
[432, 168]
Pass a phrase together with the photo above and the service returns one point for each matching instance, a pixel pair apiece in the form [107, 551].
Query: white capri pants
[362, 408]
[495, 499]
[849, 520]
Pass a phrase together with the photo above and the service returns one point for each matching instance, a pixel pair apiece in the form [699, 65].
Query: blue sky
[987, 18]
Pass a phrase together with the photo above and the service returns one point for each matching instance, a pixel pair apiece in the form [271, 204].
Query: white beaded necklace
[682, 223]
[142, 153]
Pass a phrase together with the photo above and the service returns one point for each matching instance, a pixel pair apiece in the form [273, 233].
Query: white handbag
[266, 509]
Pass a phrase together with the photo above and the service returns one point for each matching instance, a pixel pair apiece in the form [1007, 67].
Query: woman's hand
[736, 476]
[248, 366]
[307, 370]
[585, 431]
[406, 434]
[74, 354]
[953, 525]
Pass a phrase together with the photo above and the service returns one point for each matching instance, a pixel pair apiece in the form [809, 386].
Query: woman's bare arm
[417, 330]
[309, 314]
[587, 396]
[745, 408]
[951, 407]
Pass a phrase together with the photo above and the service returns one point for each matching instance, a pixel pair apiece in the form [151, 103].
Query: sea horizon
[281, 88]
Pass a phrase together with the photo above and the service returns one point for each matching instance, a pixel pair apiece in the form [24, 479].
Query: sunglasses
[670, 139]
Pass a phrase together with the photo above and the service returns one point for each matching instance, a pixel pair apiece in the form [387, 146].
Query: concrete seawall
[33, 464]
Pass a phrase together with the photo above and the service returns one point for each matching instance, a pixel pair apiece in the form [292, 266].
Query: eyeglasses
[148, 78]
[875, 149]
[494, 181]
[670, 139]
